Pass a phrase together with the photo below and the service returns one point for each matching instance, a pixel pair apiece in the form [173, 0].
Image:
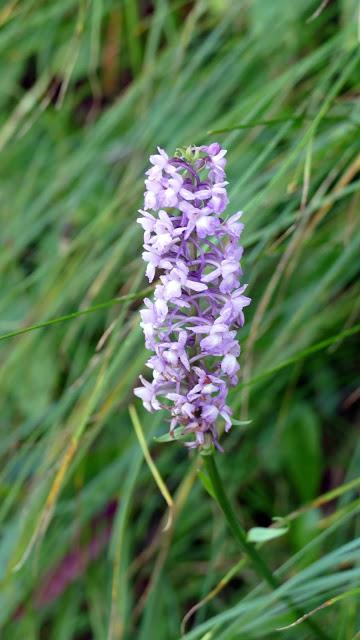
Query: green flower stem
[246, 547]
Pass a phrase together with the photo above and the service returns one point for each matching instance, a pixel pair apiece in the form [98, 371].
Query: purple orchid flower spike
[198, 302]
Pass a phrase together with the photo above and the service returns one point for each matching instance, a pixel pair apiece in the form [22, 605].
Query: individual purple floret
[198, 302]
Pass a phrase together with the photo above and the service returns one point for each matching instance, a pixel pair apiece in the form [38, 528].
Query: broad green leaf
[301, 449]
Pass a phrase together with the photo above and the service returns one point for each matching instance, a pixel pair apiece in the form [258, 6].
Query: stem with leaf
[246, 547]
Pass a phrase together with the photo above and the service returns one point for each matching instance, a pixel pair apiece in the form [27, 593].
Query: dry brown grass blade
[288, 261]
[324, 605]
[315, 220]
[153, 468]
[271, 287]
[81, 415]
[164, 537]
[8, 12]
[49, 504]
[314, 504]
[213, 593]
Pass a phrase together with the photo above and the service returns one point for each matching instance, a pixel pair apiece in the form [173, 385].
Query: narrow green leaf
[77, 314]
[206, 483]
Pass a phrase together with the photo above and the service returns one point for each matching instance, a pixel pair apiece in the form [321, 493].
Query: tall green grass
[89, 88]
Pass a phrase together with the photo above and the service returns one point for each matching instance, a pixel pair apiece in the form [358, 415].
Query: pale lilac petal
[229, 364]
[195, 286]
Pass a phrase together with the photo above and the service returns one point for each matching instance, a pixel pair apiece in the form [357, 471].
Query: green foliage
[89, 88]
[302, 451]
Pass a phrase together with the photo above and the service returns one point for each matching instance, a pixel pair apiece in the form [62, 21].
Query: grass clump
[88, 91]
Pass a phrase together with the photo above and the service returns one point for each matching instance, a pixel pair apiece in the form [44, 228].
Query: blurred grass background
[89, 88]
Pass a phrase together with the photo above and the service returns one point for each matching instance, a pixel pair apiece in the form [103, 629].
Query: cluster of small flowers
[198, 303]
